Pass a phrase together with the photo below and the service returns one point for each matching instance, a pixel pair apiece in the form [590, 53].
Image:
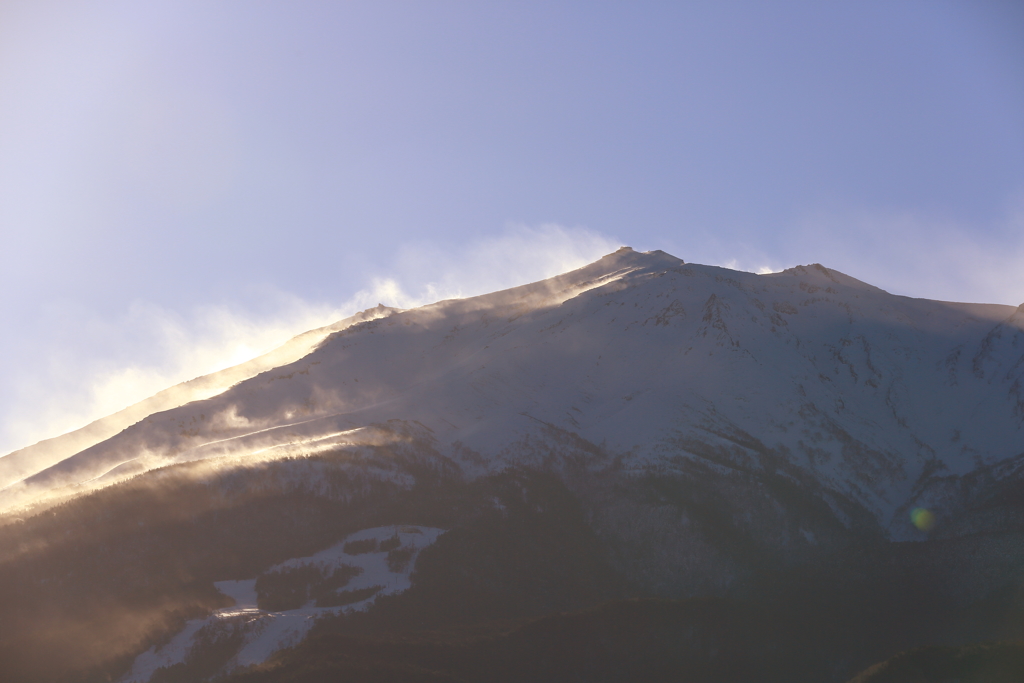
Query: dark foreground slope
[627, 641]
[528, 584]
[982, 663]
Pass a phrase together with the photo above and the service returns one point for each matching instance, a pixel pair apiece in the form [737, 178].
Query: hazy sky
[185, 184]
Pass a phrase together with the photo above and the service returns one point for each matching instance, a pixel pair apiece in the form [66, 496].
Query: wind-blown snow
[25, 462]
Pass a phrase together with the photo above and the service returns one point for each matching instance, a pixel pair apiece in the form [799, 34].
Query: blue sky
[185, 184]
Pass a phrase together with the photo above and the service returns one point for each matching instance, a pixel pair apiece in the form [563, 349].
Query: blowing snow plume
[112, 364]
[21, 464]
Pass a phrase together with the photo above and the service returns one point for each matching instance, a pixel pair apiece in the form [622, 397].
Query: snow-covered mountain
[638, 361]
[640, 465]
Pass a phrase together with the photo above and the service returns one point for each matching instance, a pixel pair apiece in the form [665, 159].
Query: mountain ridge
[818, 341]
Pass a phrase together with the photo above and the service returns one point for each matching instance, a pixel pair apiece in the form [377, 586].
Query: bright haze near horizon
[184, 185]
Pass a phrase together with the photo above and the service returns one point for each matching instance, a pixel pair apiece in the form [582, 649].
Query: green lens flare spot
[922, 518]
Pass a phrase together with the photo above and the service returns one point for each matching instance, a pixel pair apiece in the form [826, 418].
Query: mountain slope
[865, 396]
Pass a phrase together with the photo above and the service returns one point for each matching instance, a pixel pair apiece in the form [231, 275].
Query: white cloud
[751, 265]
[425, 273]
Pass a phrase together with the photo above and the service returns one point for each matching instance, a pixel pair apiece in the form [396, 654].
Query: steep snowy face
[653, 364]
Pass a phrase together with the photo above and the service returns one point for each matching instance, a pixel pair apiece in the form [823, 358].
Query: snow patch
[264, 632]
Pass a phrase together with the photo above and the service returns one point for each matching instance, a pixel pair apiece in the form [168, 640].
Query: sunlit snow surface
[264, 633]
[870, 400]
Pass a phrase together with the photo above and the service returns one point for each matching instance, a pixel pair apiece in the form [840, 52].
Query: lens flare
[922, 518]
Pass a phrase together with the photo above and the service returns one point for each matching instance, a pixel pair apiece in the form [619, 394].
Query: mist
[111, 363]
